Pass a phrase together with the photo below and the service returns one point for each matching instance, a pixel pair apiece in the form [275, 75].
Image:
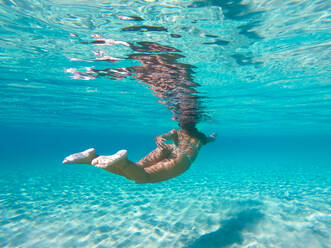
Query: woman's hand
[212, 137]
[160, 142]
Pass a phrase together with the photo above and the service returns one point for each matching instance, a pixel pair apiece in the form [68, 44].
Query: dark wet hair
[190, 127]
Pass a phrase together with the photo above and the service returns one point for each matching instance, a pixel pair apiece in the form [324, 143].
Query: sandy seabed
[223, 206]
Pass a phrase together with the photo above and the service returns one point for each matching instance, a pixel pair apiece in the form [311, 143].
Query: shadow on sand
[230, 231]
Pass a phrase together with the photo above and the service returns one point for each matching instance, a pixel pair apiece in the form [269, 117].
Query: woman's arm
[159, 140]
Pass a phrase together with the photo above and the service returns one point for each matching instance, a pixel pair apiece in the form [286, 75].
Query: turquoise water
[115, 74]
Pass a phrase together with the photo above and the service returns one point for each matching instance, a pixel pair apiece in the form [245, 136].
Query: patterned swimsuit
[177, 148]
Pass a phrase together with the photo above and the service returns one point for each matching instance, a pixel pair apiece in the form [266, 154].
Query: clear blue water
[114, 74]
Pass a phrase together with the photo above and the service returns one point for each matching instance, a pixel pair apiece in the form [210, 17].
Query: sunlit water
[114, 74]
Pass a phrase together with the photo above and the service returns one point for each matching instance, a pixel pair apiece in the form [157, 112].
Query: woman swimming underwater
[163, 163]
[172, 82]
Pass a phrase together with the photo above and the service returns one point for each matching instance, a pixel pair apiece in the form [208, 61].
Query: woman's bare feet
[105, 162]
[84, 157]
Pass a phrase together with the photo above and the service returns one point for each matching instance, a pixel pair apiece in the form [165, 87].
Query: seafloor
[237, 194]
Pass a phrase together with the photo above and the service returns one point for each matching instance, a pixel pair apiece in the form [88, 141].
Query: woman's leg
[163, 170]
[86, 157]
[119, 164]
[158, 172]
[155, 156]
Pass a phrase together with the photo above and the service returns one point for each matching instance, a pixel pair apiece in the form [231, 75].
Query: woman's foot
[84, 157]
[105, 162]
